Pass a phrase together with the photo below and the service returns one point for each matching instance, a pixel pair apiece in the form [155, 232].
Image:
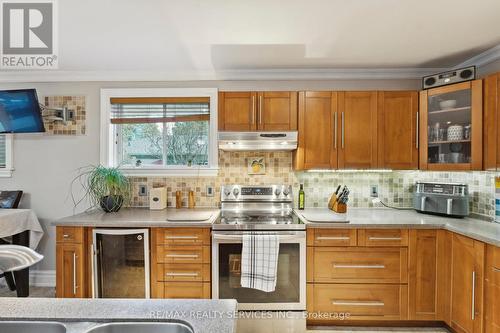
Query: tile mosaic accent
[395, 188]
[73, 127]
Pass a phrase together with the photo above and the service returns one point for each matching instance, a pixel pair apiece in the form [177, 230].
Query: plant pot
[111, 203]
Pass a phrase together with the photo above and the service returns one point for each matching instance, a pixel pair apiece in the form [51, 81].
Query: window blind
[158, 109]
[2, 151]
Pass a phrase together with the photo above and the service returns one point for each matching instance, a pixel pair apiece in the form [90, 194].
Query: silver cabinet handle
[342, 129]
[417, 130]
[358, 303]
[495, 269]
[449, 206]
[376, 266]
[181, 237]
[333, 238]
[260, 109]
[181, 256]
[65, 236]
[181, 274]
[335, 130]
[74, 273]
[252, 113]
[384, 238]
[473, 306]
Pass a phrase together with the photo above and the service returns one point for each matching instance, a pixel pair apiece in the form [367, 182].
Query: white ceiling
[210, 36]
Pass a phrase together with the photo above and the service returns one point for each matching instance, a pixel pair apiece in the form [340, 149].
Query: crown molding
[227, 75]
[482, 59]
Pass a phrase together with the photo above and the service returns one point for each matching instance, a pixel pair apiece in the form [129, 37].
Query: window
[160, 131]
[6, 155]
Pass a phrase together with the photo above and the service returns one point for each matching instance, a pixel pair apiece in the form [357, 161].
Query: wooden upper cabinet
[237, 111]
[467, 274]
[397, 130]
[262, 111]
[358, 130]
[317, 148]
[451, 127]
[277, 111]
[491, 122]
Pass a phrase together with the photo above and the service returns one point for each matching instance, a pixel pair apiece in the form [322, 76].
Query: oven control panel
[256, 192]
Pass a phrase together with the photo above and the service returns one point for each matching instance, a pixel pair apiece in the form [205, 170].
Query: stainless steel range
[259, 209]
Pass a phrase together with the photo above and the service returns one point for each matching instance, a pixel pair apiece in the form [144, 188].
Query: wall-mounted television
[20, 112]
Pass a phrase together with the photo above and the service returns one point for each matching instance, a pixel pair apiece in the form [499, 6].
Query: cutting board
[189, 216]
[324, 216]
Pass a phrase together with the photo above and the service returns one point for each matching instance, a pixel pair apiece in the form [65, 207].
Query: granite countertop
[488, 232]
[143, 217]
[207, 316]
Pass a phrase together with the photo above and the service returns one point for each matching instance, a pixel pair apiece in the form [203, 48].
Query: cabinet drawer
[331, 237]
[361, 265]
[368, 301]
[383, 237]
[186, 290]
[69, 234]
[183, 236]
[183, 254]
[184, 272]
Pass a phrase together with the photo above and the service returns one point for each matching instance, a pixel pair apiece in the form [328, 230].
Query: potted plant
[106, 187]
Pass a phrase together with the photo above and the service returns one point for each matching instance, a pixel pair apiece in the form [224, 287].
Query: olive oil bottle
[302, 197]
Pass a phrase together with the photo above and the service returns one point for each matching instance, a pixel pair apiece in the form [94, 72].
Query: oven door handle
[240, 237]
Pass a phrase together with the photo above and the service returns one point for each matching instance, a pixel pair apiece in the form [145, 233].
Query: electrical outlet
[210, 191]
[374, 191]
[143, 190]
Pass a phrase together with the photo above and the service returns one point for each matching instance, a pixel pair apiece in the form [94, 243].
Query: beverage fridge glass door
[121, 263]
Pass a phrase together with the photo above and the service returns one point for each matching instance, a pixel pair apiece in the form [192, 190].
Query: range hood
[257, 141]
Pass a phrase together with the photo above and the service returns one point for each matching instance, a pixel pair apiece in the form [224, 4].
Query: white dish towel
[259, 261]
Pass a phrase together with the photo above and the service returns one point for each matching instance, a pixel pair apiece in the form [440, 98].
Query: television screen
[20, 112]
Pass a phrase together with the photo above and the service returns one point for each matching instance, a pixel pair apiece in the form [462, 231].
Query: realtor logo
[28, 34]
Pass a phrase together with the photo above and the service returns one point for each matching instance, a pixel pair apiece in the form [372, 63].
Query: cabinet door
[358, 130]
[70, 270]
[492, 291]
[277, 111]
[237, 111]
[491, 122]
[467, 273]
[429, 275]
[397, 129]
[318, 142]
[451, 131]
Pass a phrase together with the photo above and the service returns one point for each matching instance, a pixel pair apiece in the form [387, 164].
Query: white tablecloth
[14, 221]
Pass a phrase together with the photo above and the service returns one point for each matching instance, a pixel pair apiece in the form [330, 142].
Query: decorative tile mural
[395, 188]
[72, 127]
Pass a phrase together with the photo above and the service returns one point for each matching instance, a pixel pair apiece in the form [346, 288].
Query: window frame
[108, 151]
[9, 164]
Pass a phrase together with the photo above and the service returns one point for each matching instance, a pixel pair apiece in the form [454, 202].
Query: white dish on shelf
[448, 104]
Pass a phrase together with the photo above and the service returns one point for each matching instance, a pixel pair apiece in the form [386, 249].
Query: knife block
[337, 207]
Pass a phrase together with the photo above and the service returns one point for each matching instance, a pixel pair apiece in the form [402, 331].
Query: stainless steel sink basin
[140, 328]
[31, 327]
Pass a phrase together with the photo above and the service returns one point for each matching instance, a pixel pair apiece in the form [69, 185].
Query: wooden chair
[9, 200]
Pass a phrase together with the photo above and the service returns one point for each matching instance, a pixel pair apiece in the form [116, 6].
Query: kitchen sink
[140, 328]
[31, 327]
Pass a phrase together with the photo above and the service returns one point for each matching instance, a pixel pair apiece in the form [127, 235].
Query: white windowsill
[6, 173]
[171, 172]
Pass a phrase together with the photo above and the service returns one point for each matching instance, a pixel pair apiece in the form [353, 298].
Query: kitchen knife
[338, 188]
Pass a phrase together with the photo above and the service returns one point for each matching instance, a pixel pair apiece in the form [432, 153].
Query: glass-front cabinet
[451, 127]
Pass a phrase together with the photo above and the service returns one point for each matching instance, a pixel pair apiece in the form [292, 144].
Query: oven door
[290, 293]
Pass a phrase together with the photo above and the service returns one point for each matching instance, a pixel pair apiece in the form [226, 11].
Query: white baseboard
[39, 278]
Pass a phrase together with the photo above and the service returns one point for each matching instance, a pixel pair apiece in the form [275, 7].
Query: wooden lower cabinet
[429, 275]
[71, 263]
[492, 290]
[180, 263]
[467, 274]
[361, 301]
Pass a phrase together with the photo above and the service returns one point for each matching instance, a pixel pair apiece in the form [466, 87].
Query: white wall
[45, 165]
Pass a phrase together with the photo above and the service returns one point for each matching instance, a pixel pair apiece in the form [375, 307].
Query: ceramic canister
[455, 133]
